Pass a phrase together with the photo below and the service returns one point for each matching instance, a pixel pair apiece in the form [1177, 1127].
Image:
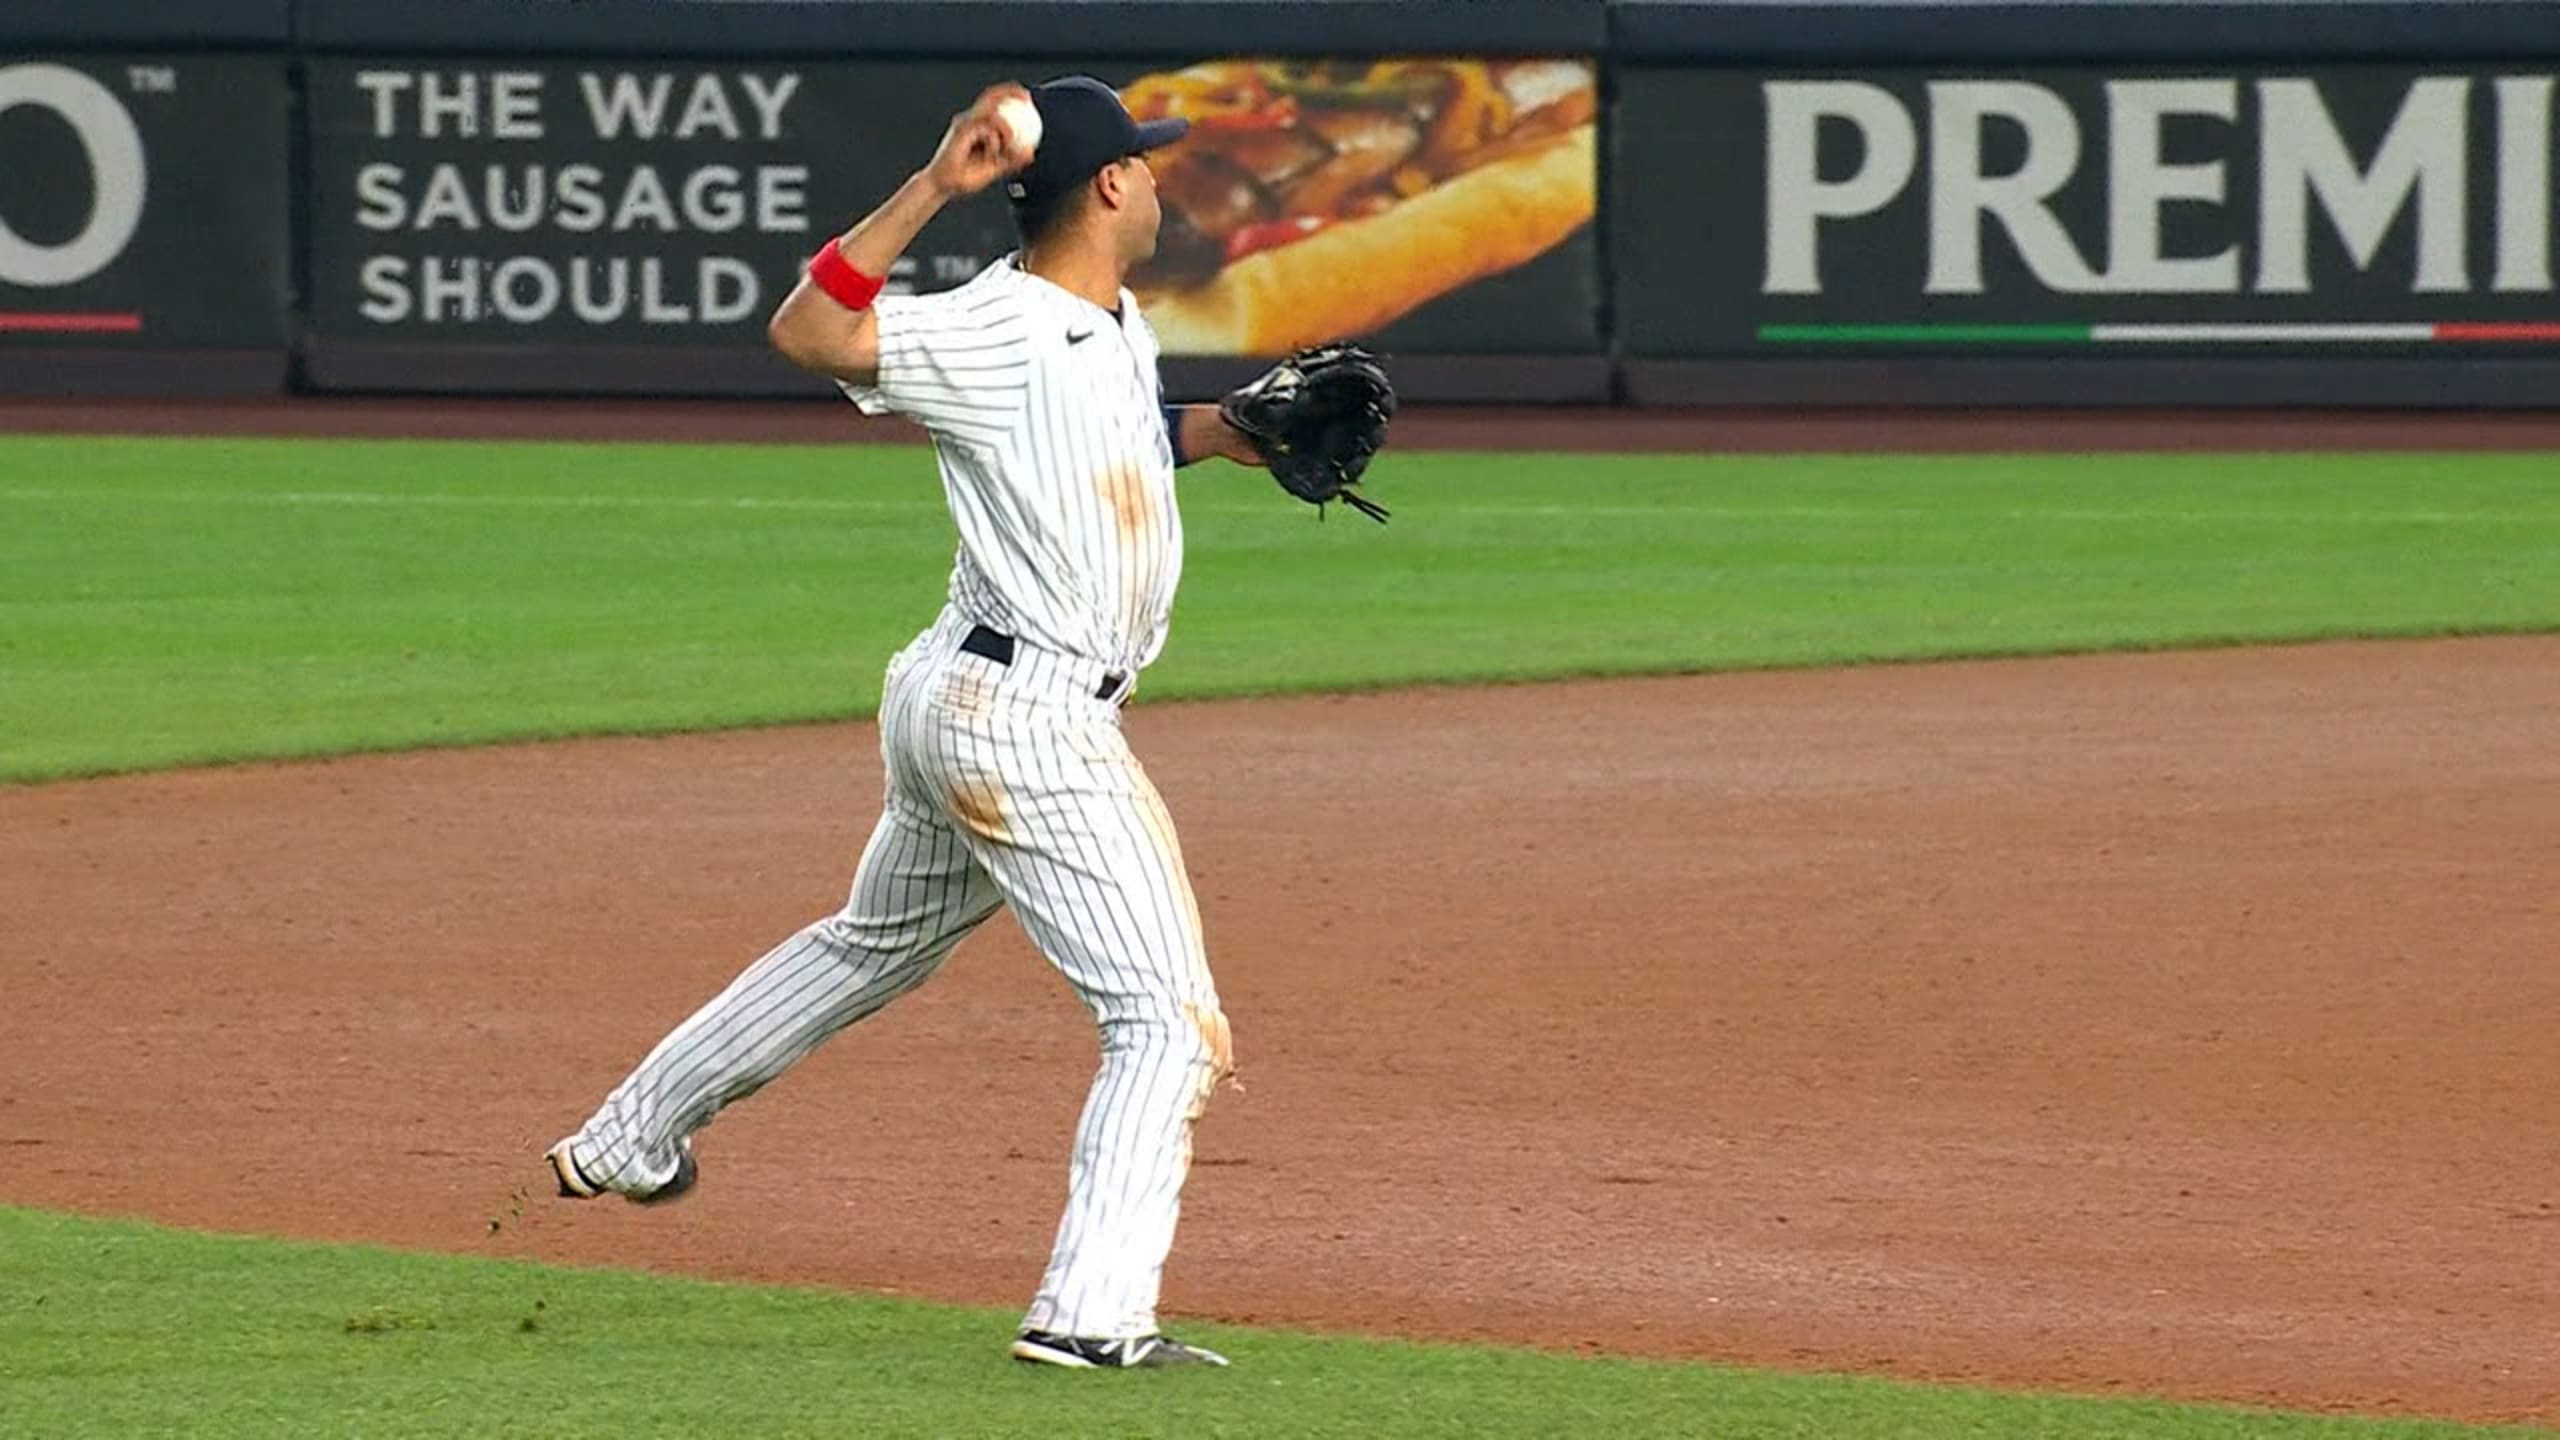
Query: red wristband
[848, 287]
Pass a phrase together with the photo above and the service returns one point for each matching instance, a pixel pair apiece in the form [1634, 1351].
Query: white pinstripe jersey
[1044, 412]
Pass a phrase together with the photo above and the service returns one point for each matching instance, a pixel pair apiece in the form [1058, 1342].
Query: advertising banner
[2366, 210]
[1432, 206]
[144, 202]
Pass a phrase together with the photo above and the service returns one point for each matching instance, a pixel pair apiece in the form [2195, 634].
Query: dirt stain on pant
[978, 803]
[1211, 1022]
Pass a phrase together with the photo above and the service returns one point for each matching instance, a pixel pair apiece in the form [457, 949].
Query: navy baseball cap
[1083, 127]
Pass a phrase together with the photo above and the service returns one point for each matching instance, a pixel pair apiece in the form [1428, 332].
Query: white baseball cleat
[1144, 1352]
[574, 1184]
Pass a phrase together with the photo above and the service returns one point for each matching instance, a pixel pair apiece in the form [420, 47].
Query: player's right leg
[915, 896]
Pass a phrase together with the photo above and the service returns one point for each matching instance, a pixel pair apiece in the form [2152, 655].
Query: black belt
[998, 646]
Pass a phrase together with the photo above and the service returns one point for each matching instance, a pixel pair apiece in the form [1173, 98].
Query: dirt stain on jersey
[1123, 487]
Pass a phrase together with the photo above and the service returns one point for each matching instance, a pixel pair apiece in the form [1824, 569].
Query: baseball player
[1008, 778]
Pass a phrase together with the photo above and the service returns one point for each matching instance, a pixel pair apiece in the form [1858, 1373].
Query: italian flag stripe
[1936, 334]
[2333, 334]
[2393, 332]
[2546, 331]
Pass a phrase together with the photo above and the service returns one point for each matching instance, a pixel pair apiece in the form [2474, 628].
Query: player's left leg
[1090, 866]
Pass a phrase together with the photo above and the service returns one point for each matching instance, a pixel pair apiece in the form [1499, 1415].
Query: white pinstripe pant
[1006, 784]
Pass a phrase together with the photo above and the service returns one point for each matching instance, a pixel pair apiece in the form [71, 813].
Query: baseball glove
[1315, 419]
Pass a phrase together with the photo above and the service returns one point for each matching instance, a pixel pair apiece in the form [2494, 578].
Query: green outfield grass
[116, 1329]
[179, 601]
[166, 602]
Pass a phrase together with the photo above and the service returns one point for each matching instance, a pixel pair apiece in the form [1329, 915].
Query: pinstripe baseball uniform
[1009, 782]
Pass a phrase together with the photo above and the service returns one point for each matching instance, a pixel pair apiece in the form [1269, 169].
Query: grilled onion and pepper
[1280, 152]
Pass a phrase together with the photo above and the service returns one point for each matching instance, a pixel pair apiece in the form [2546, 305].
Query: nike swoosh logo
[1075, 339]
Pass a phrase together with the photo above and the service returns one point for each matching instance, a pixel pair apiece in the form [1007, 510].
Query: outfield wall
[1805, 203]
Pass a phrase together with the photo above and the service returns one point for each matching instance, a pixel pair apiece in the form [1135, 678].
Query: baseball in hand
[1021, 122]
